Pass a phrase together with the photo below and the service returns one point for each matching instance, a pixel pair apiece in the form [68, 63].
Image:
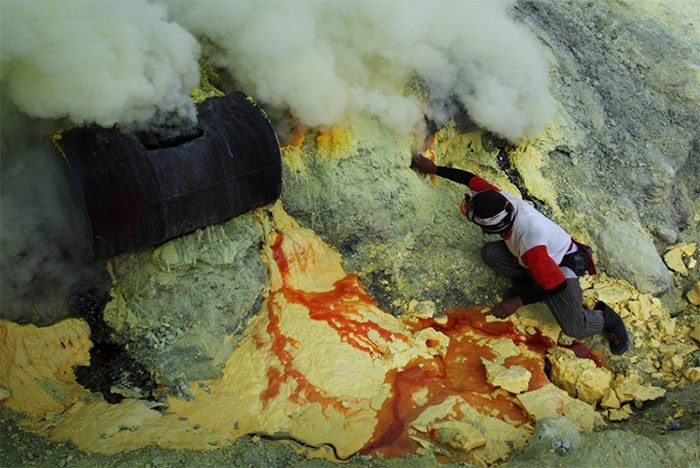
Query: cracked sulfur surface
[321, 363]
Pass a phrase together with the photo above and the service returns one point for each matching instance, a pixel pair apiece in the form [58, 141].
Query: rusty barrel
[134, 196]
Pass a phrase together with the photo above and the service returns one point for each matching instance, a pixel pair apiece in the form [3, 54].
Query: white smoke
[108, 63]
[323, 61]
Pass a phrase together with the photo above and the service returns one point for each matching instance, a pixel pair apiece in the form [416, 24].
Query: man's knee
[490, 252]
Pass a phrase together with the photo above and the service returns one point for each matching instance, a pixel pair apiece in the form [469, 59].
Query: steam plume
[107, 63]
[326, 60]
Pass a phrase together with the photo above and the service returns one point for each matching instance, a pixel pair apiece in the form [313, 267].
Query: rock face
[182, 307]
[404, 237]
[629, 103]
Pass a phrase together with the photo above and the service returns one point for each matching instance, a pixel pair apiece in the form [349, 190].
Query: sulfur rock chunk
[694, 297]
[630, 388]
[695, 334]
[581, 378]
[618, 415]
[692, 374]
[675, 254]
[610, 292]
[459, 435]
[503, 348]
[500, 437]
[537, 316]
[610, 400]
[553, 402]
[674, 260]
[514, 379]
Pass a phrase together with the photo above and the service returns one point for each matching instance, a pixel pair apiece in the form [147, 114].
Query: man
[533, 252]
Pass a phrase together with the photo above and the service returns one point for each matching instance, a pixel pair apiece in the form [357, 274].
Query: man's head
[490, 210]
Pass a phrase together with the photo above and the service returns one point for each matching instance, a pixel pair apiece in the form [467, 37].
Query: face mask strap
[500, 227]
[469, 196]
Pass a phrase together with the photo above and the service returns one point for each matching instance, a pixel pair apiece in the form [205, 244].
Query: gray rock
[174, 306]
[629, 253]
[646, 88]
[666, 234]
[554, 433]
[674, 425]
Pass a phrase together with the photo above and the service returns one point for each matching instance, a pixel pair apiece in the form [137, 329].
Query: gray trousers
[566, 306]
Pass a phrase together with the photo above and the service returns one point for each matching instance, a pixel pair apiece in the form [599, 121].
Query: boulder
[629, 253]
[182, 307]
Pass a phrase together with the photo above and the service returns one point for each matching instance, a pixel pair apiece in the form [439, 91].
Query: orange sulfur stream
[340, 308]
[460, 372]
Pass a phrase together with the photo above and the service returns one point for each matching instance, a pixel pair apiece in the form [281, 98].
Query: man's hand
[507, 307]
[423, 164]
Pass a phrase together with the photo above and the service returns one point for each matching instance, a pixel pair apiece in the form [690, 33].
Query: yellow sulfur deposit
[692, 374]
[654, 330]
[335, 141]
[552, 402]
[37, 365]
[630, 388]
[675, 255]
[515, 379]
[209, 79]
[581, 378]
[466, 151]
[321, 363]
[694, 297]
[458, 425]
[529, 161]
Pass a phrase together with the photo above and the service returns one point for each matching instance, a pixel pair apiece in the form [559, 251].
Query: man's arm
[473, 181]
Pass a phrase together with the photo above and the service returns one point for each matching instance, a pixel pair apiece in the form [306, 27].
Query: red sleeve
[546, 272]
[479, 185]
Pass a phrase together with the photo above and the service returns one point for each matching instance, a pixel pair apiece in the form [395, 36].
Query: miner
[540, 257]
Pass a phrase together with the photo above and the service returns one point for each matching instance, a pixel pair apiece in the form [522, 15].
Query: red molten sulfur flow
[460, 372]
[339, 308]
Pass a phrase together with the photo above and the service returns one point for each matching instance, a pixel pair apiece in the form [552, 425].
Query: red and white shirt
[537, 242]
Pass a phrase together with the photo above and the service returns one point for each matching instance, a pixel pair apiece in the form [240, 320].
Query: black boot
[614, 328]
